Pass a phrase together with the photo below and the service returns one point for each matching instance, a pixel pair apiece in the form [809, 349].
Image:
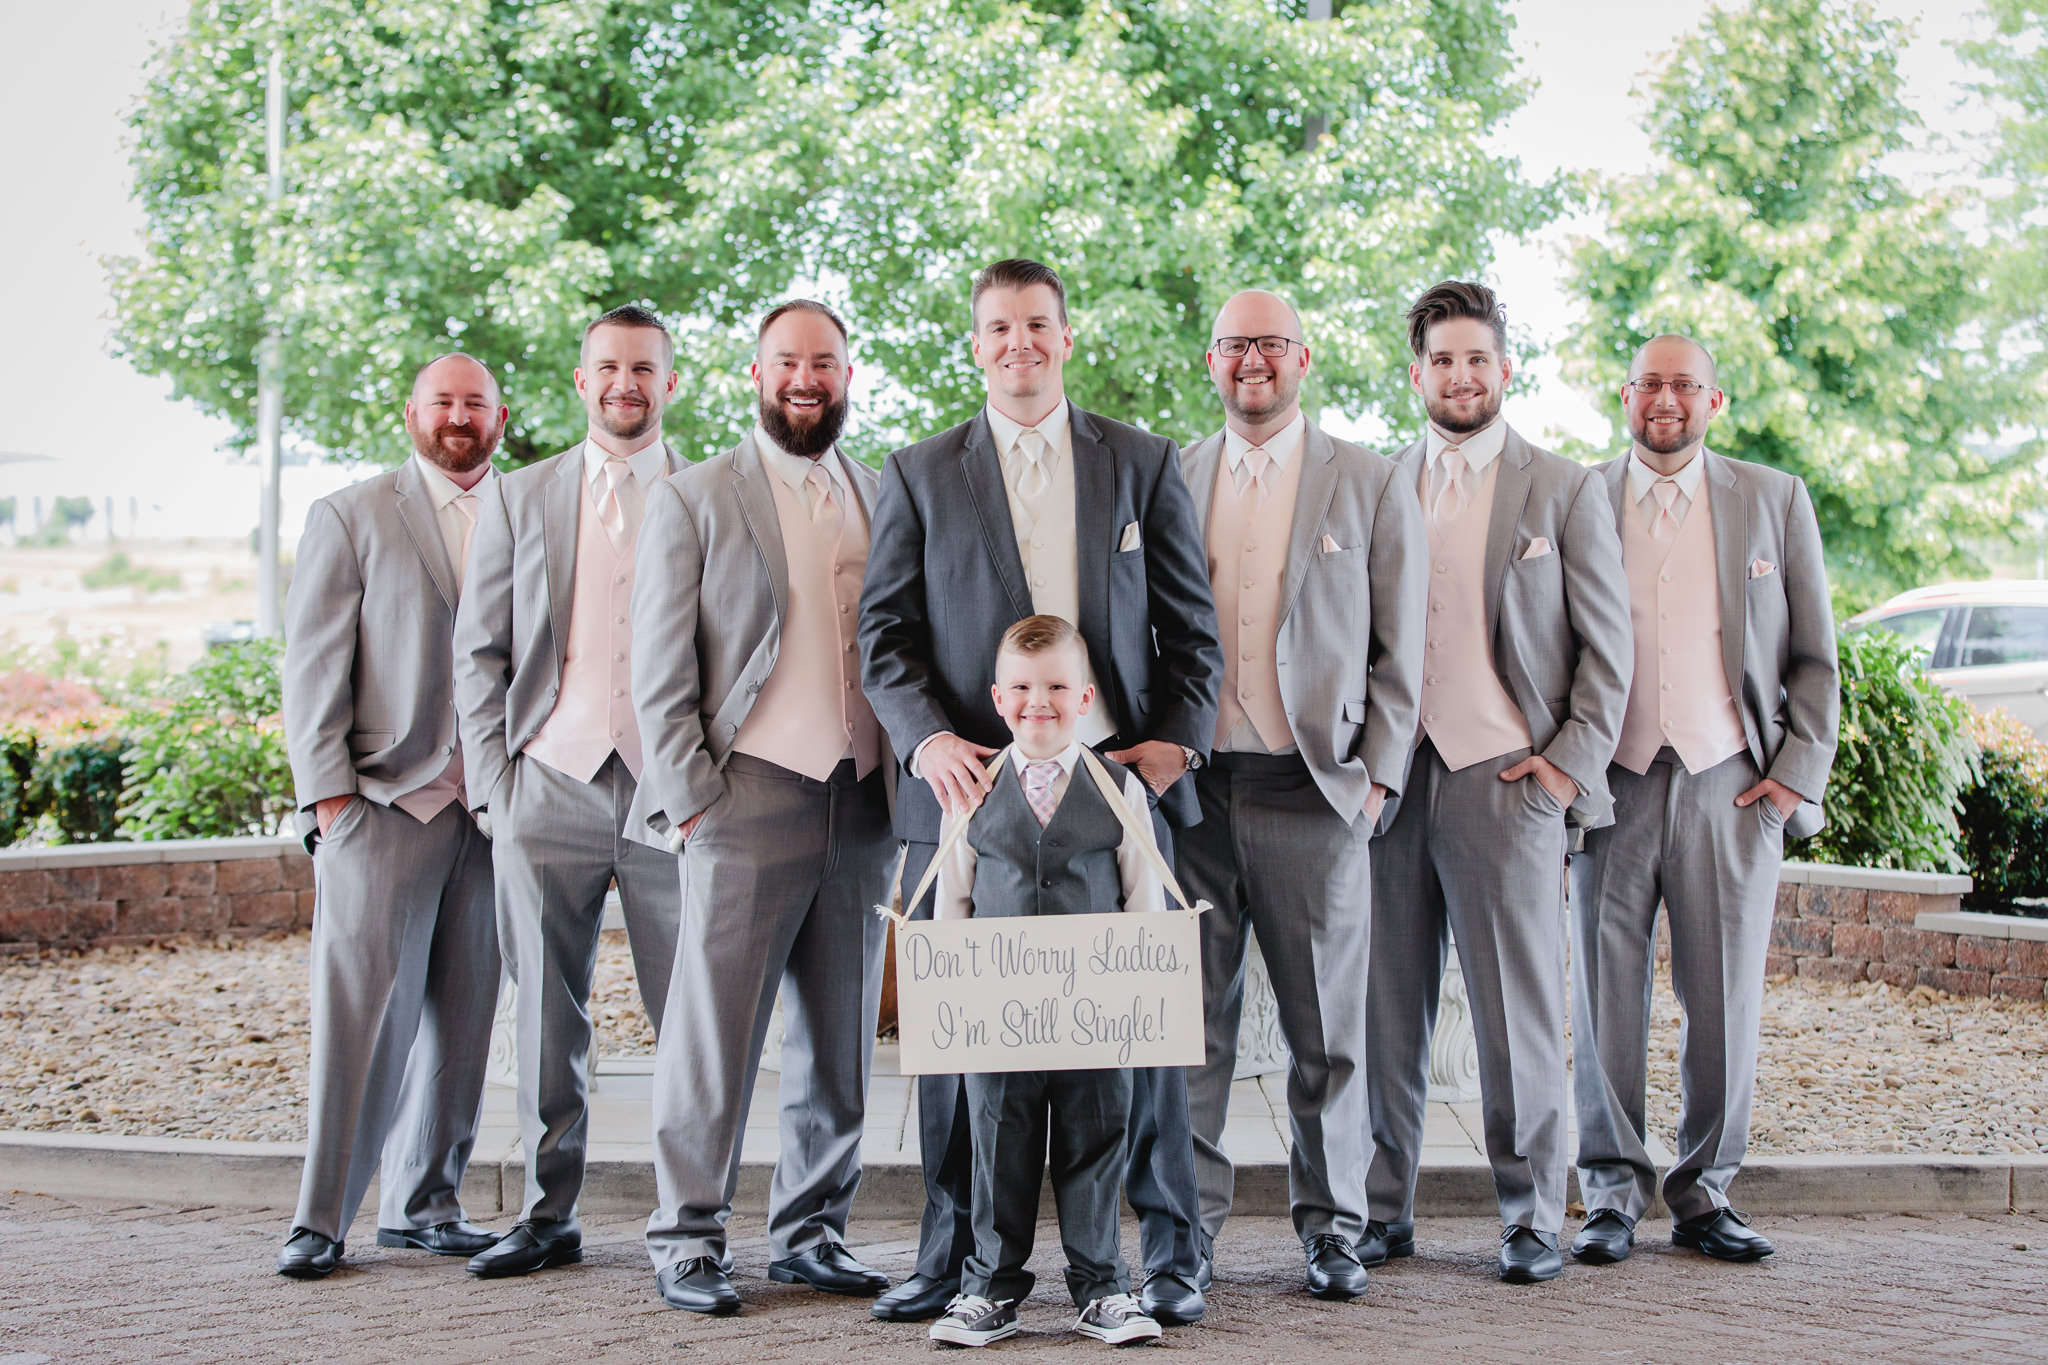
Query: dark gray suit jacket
[1558, 624]
[368, 698]
[1777, 628]
[710, 591]
[945, 581]
[1351, 619]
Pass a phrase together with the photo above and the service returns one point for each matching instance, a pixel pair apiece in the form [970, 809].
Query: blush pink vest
[1247, 569]
[1466, 713]
[1680, 694]
[811, 711]
[594, 714]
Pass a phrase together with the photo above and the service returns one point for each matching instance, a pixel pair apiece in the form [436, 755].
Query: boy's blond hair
[1037, 634]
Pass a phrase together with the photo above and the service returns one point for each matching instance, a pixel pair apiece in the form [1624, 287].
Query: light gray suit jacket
[710, 594]
[368, 697]
[1351, 621]
[1558, 624]
[512, 632]
[1777, 628]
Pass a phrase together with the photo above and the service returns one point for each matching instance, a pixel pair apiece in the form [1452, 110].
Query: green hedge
[207, 760]
[2005, 816]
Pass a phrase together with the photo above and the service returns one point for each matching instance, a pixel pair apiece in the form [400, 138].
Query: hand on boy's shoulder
[956, 770]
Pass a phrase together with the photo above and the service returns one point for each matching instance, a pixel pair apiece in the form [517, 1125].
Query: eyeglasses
[1683, 388]
[1273, 348]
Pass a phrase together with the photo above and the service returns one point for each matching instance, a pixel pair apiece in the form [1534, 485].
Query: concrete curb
[266, 1175]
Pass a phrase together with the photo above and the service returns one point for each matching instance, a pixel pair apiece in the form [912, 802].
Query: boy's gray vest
[1066, 868]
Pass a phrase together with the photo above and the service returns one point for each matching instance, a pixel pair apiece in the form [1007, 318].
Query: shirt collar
[1066, 758]
[441, 489]
[1479, 449]
[647, 463]
[1641, 477]
[795, 470]
[1056, 429]
[1280, 447]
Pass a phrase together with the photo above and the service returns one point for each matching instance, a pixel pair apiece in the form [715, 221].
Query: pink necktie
[610, 513]
[1038, 780]
[1258, 462]
[820, 485]
[1450, 498]
[1666, 493]
[465, 503]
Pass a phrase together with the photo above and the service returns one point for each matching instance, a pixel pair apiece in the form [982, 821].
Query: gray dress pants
[780, 880]
[1471, 855]
[405, 981]
[1273, 858]
[1679, 838]
[557, 846]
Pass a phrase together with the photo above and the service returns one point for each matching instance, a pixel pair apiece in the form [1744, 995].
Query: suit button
[1046, 883]
[447, 748]
[753, 687]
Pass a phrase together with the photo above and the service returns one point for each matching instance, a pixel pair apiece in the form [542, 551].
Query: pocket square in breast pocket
[1538, 548]
[1131, 539]
[1758, 568]
[1330, 546]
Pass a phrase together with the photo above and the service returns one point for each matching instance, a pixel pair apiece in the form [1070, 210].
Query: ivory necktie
[1450, 497]
[465, 503]
[1038, 780]
[1033, 478]
[1257, 461]
[818, 484]
[1665, 492]
[609, 510]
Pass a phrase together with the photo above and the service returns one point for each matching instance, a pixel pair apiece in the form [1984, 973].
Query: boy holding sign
[1046, 841]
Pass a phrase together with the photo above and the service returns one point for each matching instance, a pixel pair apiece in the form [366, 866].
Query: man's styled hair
[1037, 634]
[1016, 273]
[632, 315]
[489, 373]
[1451, 300]
[799, 306]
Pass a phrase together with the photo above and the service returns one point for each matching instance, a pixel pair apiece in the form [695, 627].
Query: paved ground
[106, 1282]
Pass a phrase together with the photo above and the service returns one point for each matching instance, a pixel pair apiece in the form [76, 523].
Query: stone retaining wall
[1904, 928]
[92, 895]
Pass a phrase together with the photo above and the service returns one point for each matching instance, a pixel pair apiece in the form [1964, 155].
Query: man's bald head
[1680, 353]
[1669, 422]
[1256, 312]
[453, 370]
[1262, 393]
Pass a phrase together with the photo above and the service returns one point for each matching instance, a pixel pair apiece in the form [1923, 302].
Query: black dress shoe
[1609, 1236]
[698, 1285]
[443, 1239]
[1527, 1256]
[1723, 1234]
[1385, 1242]
[530, 1247]
[917, 1299]
[1333, 1268]
[308, 1255]
[831, 1267]
[1171, 1301]
[1206, 1276]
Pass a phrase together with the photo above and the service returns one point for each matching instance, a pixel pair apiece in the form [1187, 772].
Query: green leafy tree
[484, 175]
[1843, 308]
[491, 173]
[2016, 63]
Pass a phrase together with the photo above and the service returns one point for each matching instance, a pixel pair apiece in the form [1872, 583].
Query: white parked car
[1985, 642]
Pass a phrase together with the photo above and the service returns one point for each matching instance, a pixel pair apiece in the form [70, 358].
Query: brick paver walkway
[98, 1281]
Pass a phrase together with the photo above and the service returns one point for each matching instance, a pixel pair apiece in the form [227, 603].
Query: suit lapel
[1094, 527]
[416, 510]
[1616, 475]
[1731, 535]
[560, 510]
[757, 505]
[1510, 495]
[1204, 460]
[983, 470]
[1311, 503]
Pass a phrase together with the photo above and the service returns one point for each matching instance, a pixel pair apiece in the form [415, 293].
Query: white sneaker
[971, 1320]
[1117, 1320]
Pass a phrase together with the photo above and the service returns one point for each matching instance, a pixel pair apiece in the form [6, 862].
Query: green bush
[78, 787]
[1906, 757]
[208, 758]
[2005, 816]
[17, 784]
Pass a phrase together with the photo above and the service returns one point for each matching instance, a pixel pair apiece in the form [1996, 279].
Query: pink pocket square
[1330, 546]
[1760, 567]
[1538, 548]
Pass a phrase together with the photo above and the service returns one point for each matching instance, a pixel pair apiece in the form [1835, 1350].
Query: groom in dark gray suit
[1035, 507]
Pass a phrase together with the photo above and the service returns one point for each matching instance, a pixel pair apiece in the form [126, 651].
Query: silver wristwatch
[1193, 759]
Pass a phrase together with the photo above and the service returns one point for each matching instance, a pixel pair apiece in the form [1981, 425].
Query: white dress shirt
[954, 895]
[456, 529]
[648, 464]
[1480, 449]
[1642, 478]
[795, 472]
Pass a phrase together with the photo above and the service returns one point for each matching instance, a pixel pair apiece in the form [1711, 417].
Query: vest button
[1046, 883]
[447, 748]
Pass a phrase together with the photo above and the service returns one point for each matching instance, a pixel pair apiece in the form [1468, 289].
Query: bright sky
[113, 432]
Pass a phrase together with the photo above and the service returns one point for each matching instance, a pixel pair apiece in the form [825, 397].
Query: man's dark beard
[1279, 392]
[1451, 426]
[433, 447]
[806, 442]
[1686, 436]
